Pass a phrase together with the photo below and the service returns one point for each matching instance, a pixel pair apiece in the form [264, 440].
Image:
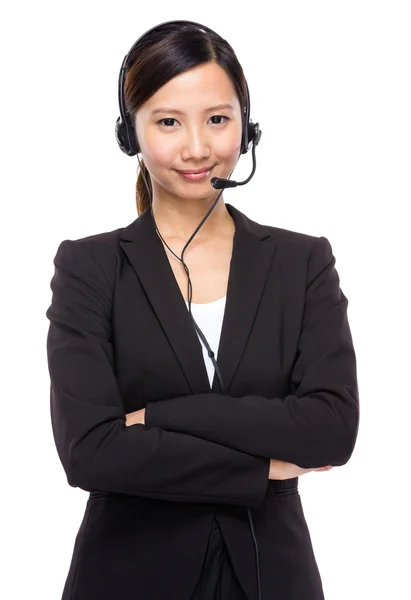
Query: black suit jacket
[120, 338]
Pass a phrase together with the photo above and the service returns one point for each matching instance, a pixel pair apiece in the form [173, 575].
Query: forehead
[201, 87]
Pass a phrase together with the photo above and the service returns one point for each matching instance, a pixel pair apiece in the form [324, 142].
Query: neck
[181, 218]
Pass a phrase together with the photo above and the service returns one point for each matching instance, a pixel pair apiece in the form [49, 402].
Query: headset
[124, 129]
[128, 143]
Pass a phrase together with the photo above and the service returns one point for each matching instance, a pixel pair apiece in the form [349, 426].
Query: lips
[196, 171]
[195, 176]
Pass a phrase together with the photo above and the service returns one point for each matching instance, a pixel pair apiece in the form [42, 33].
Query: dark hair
[164, 53]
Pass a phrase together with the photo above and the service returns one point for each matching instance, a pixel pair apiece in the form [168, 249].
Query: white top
[209, 318]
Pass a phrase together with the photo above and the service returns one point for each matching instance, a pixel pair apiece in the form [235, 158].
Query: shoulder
[100, 245]
[289, 238]
[299, 252]
[99, 241]
[292, 242]
[306, 243]
[93, 257]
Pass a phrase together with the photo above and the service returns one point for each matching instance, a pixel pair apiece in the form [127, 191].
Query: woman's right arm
[96, 449]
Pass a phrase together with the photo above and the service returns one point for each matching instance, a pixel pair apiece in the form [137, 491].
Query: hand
[280, 469]
[136, 417]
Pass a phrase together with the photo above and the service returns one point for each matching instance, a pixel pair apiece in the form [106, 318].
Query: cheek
[229, 151]
[157, 153]
[228, 148]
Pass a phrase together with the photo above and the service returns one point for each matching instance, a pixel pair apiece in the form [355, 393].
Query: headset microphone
[219, 183]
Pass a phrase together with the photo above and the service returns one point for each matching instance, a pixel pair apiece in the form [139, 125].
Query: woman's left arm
[314, 426]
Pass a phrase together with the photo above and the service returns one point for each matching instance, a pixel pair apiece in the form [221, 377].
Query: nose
[196, 144]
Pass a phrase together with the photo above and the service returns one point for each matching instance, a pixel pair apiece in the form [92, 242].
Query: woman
[193, 466]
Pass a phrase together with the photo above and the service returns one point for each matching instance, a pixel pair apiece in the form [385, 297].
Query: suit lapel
[249, 267]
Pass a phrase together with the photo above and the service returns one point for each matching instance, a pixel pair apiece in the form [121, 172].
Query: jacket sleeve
[317, 423]
[96, 448]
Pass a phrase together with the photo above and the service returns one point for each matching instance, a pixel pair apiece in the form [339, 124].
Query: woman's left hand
[136, 417]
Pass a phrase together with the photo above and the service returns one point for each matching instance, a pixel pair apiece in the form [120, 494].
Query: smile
[195, 176]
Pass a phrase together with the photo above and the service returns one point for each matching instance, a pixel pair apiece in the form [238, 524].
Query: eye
[160, 122]
[219, 117]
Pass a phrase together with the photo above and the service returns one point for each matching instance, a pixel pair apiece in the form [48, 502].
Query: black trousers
[217, 580]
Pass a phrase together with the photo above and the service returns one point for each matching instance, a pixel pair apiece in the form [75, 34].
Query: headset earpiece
[126, 137]
[254, 135]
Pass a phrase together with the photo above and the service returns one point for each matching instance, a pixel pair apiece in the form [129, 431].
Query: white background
[330, 86]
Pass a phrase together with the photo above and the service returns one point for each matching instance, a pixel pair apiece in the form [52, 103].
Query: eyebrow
[180, 112]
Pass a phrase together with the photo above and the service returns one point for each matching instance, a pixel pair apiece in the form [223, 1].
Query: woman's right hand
[281, 470]
[137, 417]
